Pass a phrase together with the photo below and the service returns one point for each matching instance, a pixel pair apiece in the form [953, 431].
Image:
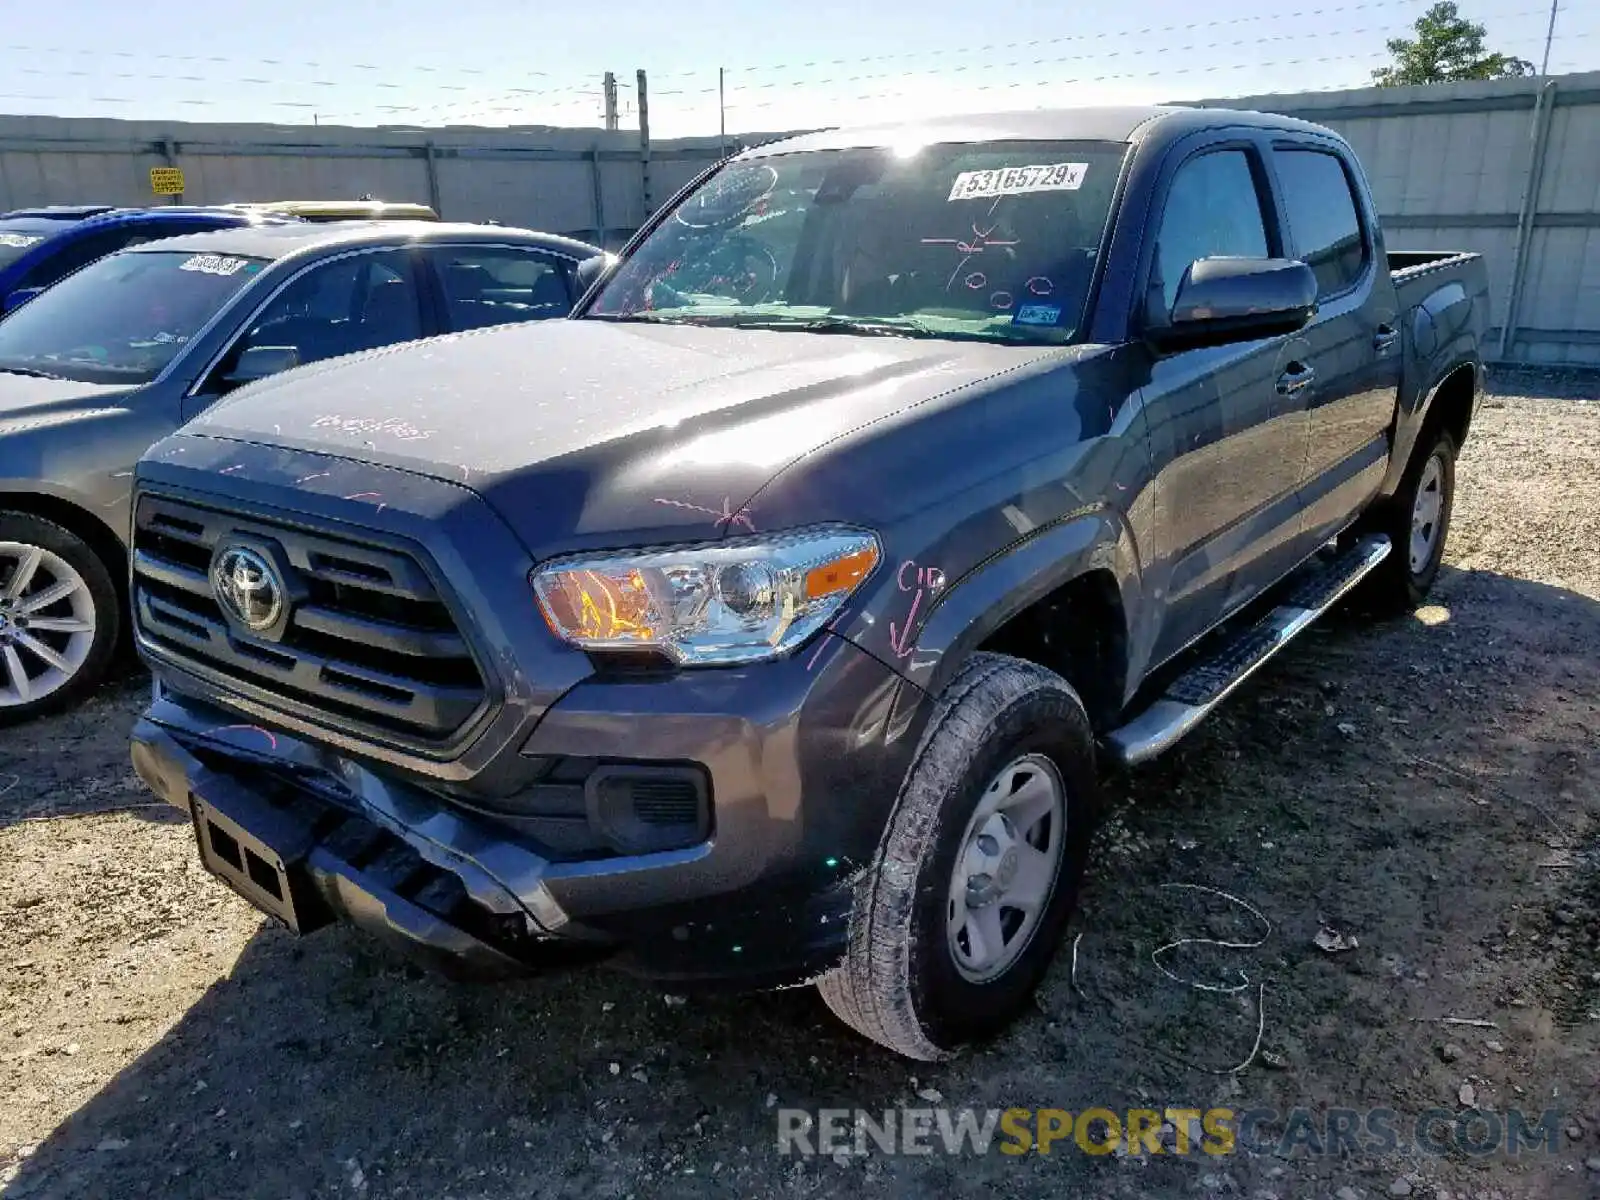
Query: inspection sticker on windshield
[213, 264]
[19, 241]
[1037, 314]
[1018, 181]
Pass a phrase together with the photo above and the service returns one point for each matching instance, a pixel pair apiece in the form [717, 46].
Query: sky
[785, 64]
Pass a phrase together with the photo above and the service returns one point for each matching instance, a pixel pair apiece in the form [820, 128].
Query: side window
[1323, 226]
[80, 253]
[1213, 211]
[498, 285]
[355, 303]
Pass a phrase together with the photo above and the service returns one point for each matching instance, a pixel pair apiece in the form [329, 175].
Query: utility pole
[722, 113]
[644, 144]
[611, 101]
[1549, 36]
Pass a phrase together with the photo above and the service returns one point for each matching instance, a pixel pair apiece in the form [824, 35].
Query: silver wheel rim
[47, 623]
[1427, 511]
[1006, 867]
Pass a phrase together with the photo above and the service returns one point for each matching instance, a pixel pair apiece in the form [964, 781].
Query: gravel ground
[1426, 786]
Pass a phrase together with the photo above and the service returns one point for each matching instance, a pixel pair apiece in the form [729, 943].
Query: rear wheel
[60, 613]
[1417, 520]
[978, 870]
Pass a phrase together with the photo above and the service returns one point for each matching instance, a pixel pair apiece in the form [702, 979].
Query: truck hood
[28, 403]
[578, 431]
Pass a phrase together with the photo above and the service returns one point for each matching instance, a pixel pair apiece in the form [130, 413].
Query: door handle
[1295, 379]
[1383, 341]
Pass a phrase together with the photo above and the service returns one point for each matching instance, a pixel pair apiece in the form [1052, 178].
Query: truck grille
[369, 644]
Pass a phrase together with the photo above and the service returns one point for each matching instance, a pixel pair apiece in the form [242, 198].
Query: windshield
[995, 241]
[22, 234]
[123, 318]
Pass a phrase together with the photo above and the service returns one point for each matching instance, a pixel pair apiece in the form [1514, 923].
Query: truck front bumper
[801, 784]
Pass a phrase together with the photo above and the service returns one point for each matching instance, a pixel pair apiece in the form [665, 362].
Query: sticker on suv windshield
[213, 264]
[20, 241]
[1018, 181]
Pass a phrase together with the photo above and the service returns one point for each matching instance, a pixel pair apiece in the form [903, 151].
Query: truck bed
[1425, 277]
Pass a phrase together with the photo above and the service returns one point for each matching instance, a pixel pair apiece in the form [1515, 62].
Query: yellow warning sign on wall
[166, 181]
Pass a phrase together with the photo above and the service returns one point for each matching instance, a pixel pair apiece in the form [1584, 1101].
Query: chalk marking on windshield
[982, 240]
[308, 478]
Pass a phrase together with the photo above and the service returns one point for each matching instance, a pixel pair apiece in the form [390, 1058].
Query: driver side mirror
[594, 271]
[260, 362]
[18, 298]
[1223, 300]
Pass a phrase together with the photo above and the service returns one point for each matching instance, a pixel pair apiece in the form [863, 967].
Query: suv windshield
[993, 240]
[123, 318]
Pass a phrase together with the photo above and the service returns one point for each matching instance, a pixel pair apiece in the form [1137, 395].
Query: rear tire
[1417, 521]
[60, 617]
[961, 912]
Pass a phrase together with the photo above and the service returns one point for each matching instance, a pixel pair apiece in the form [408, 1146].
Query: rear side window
[1324, 230]
[1213, 211]
[500, 285]
[79, 253]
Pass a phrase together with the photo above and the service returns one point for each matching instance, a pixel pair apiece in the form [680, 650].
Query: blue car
[41, 245]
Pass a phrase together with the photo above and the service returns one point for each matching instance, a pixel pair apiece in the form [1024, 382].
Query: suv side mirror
[18, 298]
[594, 271]
[1224, 300]
[259, 362]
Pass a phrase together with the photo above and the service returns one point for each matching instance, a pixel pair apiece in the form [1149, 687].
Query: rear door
[1227, 423]
[1353, 343]
[482, 285]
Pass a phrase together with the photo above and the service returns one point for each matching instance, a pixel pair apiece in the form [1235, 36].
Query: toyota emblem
[248, 587]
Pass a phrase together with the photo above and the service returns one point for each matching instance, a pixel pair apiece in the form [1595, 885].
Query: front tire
[60, 614]
[961, 912]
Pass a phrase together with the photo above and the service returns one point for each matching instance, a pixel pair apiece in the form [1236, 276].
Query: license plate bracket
[261, 855]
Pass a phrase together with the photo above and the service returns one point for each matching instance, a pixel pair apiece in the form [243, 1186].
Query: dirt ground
[1426, 786]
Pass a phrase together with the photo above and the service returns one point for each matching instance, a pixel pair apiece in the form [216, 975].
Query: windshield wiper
[644, 318]
[30, 372]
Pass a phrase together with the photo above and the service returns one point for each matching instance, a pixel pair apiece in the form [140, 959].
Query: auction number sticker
[1018, 181]
[213, 264]
[19, 241]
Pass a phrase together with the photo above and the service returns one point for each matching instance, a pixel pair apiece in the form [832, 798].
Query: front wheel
[978, 870]
[60, 613]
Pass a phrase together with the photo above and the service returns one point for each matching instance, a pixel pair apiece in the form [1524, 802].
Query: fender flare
[977, 604]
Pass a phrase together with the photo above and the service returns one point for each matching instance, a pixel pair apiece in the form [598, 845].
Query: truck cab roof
[1121, 123]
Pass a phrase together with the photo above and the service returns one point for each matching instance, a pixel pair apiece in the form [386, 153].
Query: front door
[1227, 424]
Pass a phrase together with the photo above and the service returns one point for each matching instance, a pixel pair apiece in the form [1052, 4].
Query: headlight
[731, 602]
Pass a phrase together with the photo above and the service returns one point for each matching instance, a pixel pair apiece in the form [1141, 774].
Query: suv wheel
[978, 869]
[59, 617]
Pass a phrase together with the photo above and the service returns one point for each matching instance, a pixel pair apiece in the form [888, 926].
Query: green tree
[1447, 47]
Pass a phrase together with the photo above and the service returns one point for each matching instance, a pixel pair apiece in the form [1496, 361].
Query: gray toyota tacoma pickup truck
[766, 622]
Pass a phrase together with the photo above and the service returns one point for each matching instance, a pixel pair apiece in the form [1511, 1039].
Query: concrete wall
[573, 181]
[1451, 166]
[1474, 166]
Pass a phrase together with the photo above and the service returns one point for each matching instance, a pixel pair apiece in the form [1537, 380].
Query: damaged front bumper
[310, 835]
